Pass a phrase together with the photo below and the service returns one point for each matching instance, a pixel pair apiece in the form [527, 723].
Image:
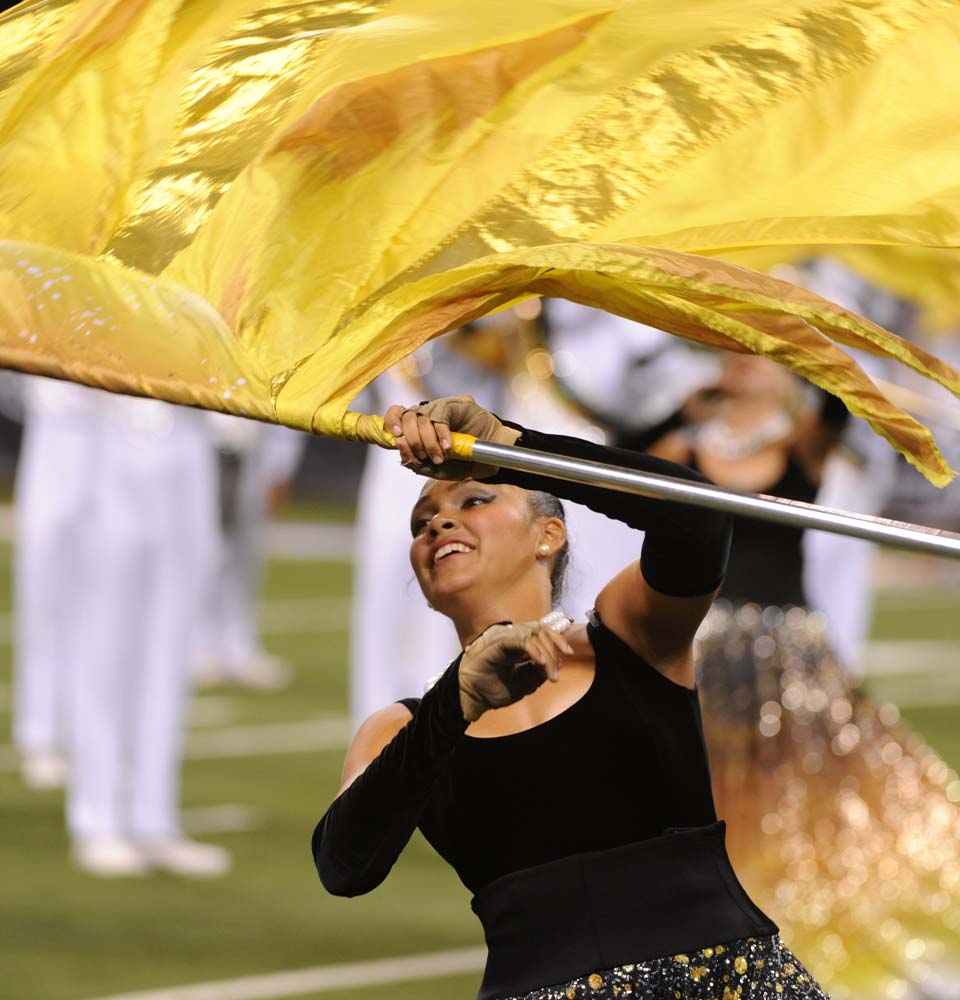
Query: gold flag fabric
[258, 205]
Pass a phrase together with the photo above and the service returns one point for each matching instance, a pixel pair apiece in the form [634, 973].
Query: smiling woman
[559, 767]
[467, 532]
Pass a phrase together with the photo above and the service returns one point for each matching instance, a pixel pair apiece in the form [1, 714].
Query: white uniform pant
[54, 505]
[151, 538]
[229, 635]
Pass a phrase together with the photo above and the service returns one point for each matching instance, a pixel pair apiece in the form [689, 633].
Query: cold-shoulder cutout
[410, 704]
[620, 650]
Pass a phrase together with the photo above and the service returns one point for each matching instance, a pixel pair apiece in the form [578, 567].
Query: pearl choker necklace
[719, 438]
[557, 621]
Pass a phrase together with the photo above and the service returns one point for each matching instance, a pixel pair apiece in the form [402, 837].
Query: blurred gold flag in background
[259, 206]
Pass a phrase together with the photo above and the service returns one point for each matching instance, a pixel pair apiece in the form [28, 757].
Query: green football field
[260, 769]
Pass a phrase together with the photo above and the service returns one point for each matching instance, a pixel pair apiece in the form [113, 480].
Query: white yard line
[278, 616]
[310, 541]
[305, 736]
[286, 616]
[933, 595]
[910, 704]
[323, 978]
[895, 656]
[275, 737]
[202, 820]
[300, 540]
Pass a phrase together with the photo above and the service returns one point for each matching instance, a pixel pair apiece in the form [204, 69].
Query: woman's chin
[452, 590]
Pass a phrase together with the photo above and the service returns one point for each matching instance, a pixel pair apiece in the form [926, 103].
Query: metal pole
[795, 513]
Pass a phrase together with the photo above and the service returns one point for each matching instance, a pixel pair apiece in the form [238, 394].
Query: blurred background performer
[835, 825]
[54, 497]
[149, 536]
[858, 475]
[629, 378]
[255, 465]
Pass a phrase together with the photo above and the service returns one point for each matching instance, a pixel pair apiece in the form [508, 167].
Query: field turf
[65, 936]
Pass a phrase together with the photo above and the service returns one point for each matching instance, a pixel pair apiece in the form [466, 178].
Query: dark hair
[547, 505]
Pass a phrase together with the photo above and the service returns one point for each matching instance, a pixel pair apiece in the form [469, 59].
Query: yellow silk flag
[259, 206]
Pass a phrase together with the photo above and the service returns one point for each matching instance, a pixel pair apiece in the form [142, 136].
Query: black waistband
[564, 919]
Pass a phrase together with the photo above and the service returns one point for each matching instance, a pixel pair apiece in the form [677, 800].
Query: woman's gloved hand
[506, 662]
[423, 435]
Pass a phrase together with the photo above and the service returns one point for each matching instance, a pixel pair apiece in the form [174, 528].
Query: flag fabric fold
[257, 206]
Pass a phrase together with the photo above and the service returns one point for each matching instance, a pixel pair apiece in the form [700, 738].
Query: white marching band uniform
[149, 540]
[253, 459]
[115, 517]
[54, 497]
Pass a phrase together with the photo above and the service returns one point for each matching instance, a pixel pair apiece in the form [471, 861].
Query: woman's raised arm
[655, 606]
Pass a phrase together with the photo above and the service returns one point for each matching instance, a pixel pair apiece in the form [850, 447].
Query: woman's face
[468, 536]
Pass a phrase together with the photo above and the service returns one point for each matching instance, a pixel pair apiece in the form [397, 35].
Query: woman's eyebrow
[465, 484]
[422, 502]
[429, 502]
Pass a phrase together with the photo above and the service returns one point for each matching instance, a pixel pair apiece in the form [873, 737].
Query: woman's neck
[470, 619]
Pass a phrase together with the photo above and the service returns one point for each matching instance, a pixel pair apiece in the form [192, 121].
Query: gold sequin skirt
[839, 821]
[752, 969]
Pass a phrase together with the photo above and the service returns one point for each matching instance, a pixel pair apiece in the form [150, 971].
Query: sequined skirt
[752, 969]
[839, 822]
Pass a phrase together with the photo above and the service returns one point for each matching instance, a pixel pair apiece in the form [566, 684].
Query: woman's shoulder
[617, 657]
[372, 736]
[410, 704]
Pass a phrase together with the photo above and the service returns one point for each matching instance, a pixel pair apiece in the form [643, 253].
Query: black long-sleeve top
[415, 777]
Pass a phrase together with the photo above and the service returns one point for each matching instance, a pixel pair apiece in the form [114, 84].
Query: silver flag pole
[795, 513]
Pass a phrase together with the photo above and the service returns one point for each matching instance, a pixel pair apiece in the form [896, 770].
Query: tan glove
[507, 662]
[424, 439]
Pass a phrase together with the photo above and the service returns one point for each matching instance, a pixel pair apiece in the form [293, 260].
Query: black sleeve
[367, 826]
[685, 548]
